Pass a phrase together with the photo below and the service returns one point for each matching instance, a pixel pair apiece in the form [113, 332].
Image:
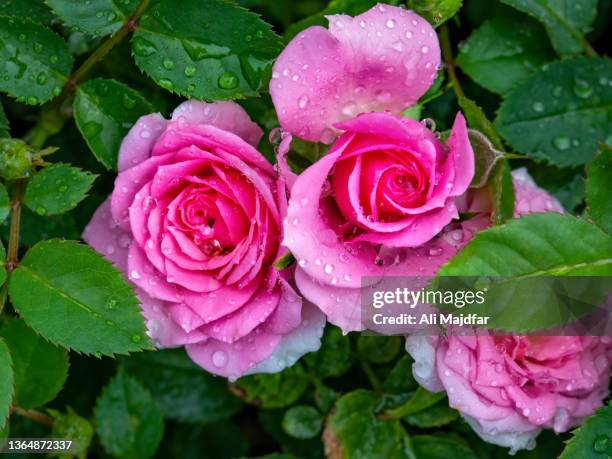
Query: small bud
[16, 159]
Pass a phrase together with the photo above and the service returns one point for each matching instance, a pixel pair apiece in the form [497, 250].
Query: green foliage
[2, 263]
[598, 189]
[97, 17]
[4, 126]
[6, 383]
[419, 401]
[302, 421]
[35, 10]
[34, 61]
[5, 203]
[274, 390]
[82, 303]
[57, 189]
[378, 349]
[440, 447]
[356, 432]
[128, 421]
[559, 113]
[104, 111]
[543, 244]
[74, 427]
[181, 389]
[191, 50]
[435, 11]
[498, 55]
[334, 357]
[565, 24]
[592, 440]
[40, 368]
[485, 157]
[435, 416]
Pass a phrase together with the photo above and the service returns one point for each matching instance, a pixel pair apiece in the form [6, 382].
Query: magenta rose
[195, 223]
[509, 388]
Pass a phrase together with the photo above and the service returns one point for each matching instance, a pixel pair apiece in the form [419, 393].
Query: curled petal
[461, 155]
[383, 59]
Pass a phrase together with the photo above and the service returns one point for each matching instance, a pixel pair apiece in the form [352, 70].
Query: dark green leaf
[96, 17]
[302, 421]
[181, 389]
[419, 401]
[498, 55]
[334, 357]
[4, 124]
[435, 416]
[435, 11]
[567, 184]
[218, 440]
[6, 383]
[284, 261]
[57, 189]
[218, 52]
[274, 390]
[476, 119]
[400, 379]
[40, 367]
[2, 263]
[324, 397]
[501, 188]
[128, 421]
[561, 112]
[593, 440]
[543, 244]
[356, 432]
[565, 23]
[271, 421]
[34, 227]
[83, 303]
[34, 61]
[104, 111]
[74, 427]
[35, 10]
[378, 349]
[5, 203]
[440, 447]
[598, 189]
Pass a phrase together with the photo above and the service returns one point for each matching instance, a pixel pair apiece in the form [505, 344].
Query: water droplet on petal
[219, 359]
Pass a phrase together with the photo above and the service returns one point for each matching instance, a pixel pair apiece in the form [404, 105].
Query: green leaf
[537, 244]
[275, 390]
[355, 431]
[74, 427]
[435, 11]
[5, 203]
[34, 227]
[598, 189]
[378, 349]
[97, 17]
[419, 401]
[2, 263]
[324, 397]
[57, 189]
[561, 112]
[34, 61]
[498, 55]
[501, 188]
[435, 416]
[284, 261]
[181, 389]
[302, 422]
[221, 51]
[440, 447]
[4, 124]
[82, 303]
[6, 383]
[128, 421]
[104, 111]
[567, 184]
[35, 10]
[40, 367]
[400, 379]
[476, 119]
[218, 440]
[564, 22]
[334, 357]
[593, 439]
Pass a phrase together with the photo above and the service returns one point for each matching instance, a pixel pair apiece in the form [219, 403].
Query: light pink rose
[195, 223]
[381, 60]
[509, 388]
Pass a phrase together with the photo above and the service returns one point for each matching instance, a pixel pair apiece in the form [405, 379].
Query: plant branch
[53, 118]
[12, 252]
[449, 60]
[372, 378]
[34, 415]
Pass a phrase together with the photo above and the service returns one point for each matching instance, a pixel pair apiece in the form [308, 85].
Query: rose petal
[462, 156]
[137, 144]
[383, 59]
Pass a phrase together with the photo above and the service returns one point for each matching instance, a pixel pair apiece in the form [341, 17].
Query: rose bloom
[194, 221]
[510, 387]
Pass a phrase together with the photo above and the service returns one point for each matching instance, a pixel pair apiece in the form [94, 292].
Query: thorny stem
[34, 415]
[449, 61]
[13, 245]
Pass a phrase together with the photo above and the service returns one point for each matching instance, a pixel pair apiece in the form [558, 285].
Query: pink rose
[509, 388]
[194, 222]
